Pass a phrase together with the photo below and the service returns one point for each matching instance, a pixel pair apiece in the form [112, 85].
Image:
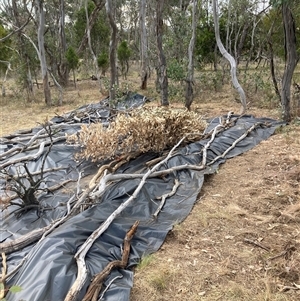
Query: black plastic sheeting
[51, 269]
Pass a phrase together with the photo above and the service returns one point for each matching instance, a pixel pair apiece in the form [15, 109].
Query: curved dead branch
[96, 285]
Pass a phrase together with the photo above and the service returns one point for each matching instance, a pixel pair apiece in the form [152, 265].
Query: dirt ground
[242, 238]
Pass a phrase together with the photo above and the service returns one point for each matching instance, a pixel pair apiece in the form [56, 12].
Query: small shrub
[103, 62]
[175, 71]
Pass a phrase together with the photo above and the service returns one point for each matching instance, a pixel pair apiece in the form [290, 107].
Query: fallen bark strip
[108, 286]
[80, 255]
[165, 196]
[284, 288]
[96, 285]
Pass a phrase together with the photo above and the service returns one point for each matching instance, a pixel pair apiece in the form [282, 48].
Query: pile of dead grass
[142, 130]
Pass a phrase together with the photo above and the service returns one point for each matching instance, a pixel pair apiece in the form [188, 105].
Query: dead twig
[167, 195]
[285, 253]
[252, 242]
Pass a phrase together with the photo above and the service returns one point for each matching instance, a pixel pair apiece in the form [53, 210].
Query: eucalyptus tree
[110, 9]
[16, 15]
[190, 75]
[5, 50]
[229, 57]
[287, 8]
[178, 30]
[73, 61]
[5, 55]
[55, 38]
[143, 46]
[162, 67]
[40, 14]
[124, 53]
[241, 19]
[91, 25]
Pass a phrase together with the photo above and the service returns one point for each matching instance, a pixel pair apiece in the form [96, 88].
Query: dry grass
[16, 113]
[141, 130]
[254, 196]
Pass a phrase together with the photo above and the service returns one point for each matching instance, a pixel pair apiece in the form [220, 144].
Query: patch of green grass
[146, 261]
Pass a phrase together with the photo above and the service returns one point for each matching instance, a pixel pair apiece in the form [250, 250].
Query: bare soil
[242, 238]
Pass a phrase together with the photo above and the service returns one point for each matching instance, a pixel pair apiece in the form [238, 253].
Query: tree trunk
[190, 76]
[272, 65]
[92, 20]
[162, 68]
[227, 26]
[42, 57]
[63, 70]
[112, 50]
[231, 60]
[144, 46]
[23, 55]
[291, 59]
[242, 40]
[88, 33]
[252, 42]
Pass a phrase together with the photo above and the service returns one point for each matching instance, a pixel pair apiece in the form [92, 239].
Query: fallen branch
[96, 285]
[22, 241]
[167, 195]
[233, 145]
[102, 185]
[25, 158]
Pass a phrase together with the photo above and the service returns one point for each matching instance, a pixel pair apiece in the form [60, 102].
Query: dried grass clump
[142, 130]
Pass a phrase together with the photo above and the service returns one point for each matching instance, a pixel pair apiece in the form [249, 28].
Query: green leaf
[3, 299]
[15, 289]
